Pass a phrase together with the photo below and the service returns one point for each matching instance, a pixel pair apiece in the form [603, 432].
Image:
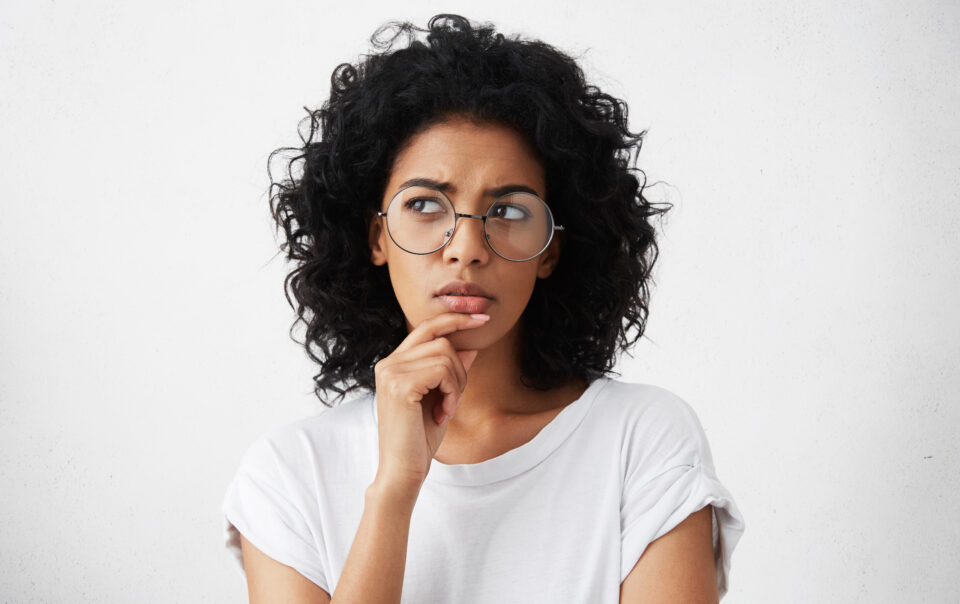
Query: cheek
[521, 287]
[407, 277]
[402, 278]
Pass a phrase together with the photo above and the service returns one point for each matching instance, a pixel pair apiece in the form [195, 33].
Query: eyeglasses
[518, 226]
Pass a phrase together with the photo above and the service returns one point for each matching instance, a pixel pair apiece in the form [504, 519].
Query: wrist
[396, 492]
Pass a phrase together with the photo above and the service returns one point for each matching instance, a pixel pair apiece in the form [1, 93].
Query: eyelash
[409, 205]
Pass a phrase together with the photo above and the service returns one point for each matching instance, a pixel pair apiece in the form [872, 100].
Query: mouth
[465, 304]
[464, 296]
[463, 288]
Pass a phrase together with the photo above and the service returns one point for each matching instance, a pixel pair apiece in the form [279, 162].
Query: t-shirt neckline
[522, 458]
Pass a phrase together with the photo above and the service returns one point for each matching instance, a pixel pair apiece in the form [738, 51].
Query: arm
[374, 568]
[269, 581]
[373, 572]
[676, 568]
[418, 388]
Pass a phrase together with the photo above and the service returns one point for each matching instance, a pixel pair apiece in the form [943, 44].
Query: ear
[549, 258]
[377, 241]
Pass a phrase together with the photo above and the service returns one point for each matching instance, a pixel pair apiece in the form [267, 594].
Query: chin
[470, 339]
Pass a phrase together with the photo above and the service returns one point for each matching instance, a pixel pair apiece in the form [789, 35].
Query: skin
[451, 366]
[496, 411]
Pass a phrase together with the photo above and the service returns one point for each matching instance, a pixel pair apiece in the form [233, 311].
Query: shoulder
[351, 422]
[289, 478]
[652, 410]
[667, 472]
[638, 398]
[655, 425]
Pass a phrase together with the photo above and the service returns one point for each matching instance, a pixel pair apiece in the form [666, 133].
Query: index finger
[441, 325]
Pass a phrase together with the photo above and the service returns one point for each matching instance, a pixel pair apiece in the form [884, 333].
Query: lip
[465, 304]
[463, 287]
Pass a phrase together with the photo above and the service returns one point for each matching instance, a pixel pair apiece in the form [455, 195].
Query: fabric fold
[673, 496]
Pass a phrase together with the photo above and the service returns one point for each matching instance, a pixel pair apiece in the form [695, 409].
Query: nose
[470, 247]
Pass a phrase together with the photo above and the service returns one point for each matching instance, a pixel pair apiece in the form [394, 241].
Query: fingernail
[480, 316]
[444, 418]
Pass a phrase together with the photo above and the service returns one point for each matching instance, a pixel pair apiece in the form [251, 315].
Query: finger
[439, 415]
[422, 369]
[440, 347]
[451, 395]
[441, 325]
[466, 358]
[448, 405]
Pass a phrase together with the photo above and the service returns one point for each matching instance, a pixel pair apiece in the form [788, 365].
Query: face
[475, 164]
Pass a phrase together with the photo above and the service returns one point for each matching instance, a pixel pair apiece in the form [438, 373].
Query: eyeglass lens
[421, 220]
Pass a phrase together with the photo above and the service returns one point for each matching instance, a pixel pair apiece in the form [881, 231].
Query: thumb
[467, 357]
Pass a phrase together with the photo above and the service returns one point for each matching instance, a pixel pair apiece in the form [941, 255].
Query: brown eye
[506, 211]
[423, 206]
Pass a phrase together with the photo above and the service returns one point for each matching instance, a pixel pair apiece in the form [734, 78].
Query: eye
[507, 211]
[423, 205]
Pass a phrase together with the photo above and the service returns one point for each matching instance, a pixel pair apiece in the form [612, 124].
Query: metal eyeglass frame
[483, 217]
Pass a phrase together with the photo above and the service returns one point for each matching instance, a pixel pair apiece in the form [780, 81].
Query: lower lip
[466, 304]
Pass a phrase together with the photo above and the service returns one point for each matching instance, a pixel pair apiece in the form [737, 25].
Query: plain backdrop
[805, 306]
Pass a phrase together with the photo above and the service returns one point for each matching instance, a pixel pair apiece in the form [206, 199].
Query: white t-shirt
[561, 518]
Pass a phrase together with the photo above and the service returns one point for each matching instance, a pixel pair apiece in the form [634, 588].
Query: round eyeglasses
[518, 226]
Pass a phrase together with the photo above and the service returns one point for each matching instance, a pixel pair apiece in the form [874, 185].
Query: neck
[493, 386]
[494, 393]
[497, 412]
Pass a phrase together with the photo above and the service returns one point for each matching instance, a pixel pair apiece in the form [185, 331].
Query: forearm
[373, 572]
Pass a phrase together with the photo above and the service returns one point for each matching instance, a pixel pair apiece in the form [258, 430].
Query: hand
[418, 389]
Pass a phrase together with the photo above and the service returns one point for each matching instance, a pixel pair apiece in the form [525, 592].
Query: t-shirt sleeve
[668, 475]
[266, 504]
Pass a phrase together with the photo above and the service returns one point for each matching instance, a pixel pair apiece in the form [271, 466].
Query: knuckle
[393, 390]
[447, 346]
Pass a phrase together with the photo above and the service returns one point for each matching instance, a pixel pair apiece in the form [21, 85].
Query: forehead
[470, 156]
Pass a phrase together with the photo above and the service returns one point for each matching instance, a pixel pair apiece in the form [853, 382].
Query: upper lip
[462, 287]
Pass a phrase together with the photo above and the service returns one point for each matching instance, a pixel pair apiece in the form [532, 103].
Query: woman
[472, 249]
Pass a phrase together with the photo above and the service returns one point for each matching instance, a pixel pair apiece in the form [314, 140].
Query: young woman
[472, 249]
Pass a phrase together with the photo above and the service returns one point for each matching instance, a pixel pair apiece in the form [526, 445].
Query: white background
[805, 306]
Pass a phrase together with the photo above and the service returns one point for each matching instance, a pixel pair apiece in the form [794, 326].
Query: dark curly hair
[595, 301]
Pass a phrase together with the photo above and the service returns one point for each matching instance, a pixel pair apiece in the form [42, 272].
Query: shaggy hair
[594, 304]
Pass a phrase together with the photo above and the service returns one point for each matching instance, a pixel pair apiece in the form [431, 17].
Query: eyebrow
[447, 187]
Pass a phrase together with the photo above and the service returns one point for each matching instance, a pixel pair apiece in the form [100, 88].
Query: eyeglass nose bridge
[448, 235]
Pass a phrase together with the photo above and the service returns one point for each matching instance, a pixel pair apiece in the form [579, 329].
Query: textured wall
[803, 301]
